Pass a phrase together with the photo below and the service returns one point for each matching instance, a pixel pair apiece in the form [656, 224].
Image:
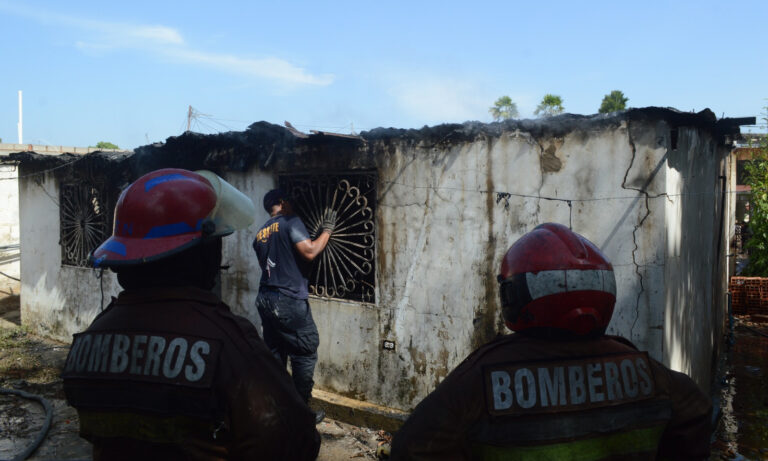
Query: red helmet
[169, 210]
[553, 277]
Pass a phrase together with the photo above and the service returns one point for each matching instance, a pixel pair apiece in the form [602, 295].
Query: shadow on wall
[694, 268]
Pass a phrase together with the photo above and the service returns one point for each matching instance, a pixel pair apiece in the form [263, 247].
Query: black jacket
[172, 374]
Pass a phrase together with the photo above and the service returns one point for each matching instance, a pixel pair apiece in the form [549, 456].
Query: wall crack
[637, 265]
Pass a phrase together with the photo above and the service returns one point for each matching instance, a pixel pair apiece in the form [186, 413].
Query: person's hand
[329, 220]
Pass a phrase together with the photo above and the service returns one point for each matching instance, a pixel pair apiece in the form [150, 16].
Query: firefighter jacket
[171, 373]
[520, 398]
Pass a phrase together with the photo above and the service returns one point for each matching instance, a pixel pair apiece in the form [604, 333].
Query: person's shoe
[319, 416]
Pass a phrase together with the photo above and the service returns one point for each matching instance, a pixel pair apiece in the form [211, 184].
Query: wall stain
[550, 163]
[486, 316]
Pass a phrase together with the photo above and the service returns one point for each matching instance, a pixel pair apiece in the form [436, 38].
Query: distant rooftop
[749, 139]
[6, 148]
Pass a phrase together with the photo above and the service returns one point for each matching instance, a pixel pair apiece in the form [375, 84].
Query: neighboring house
[9, 230]
[741, 196]
[742, 155]
[409, 288]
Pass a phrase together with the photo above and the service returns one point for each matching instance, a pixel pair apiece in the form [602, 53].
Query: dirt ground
[742, 432]
[32, 364]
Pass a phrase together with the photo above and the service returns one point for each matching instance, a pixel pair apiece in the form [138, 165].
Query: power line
[194, 114]
[502, 195]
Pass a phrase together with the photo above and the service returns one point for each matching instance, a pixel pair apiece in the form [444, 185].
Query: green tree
[503, 109]
[550, 105]
[613, 101]
[757, 179]
[106, 145]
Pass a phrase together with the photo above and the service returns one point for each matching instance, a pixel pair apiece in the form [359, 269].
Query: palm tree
[503, 109]
[551, 104]
[613, 102]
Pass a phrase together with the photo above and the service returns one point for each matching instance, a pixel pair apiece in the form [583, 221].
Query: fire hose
[46, 425]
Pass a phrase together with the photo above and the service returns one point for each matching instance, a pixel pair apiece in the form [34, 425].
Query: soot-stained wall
[450, 200]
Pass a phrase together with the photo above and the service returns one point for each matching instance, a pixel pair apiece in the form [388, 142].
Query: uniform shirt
[594, 399]
[281, 267]
[171, 373]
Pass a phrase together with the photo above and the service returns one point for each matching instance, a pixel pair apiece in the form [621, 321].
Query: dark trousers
[290, 331]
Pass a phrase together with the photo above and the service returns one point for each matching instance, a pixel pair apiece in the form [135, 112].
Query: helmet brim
[126, 251]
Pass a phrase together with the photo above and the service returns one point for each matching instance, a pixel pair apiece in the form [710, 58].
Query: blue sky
[126, 72]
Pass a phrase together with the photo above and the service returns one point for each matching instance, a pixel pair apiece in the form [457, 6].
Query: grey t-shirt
[282, 268]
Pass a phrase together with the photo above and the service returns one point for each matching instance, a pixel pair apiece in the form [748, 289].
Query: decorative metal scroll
[85, 221]
[346, 268]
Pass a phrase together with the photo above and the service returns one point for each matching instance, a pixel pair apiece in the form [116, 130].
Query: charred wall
[450, 200]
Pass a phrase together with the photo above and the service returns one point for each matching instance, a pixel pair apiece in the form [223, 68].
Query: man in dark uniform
[167, 371]
[284, 249]
[559, 388]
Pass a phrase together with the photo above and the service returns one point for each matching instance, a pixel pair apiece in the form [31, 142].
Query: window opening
[346, 268]
[85, 221]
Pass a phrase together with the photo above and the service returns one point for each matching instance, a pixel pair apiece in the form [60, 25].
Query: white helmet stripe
[547, 283]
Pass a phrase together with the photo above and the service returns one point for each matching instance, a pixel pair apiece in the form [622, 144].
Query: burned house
[407, 287]
[9, 212]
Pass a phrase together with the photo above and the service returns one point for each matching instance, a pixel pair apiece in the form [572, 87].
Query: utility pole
[21, 139]
[189, 118]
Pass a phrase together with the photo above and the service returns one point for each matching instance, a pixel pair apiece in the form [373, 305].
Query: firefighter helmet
[169, 210]
[555, 278]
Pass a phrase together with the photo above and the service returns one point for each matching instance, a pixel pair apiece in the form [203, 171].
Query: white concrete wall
[694, 271]
[9, 211]
[442, 236]
[441, 239]
[56, 300]
[9, 230]
[240, 283]
[441, 233]
[59, 300]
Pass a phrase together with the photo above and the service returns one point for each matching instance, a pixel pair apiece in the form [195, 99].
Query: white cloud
[430, 97]
[156, 34]
[269, 68]
[438, 99]
[169, 43]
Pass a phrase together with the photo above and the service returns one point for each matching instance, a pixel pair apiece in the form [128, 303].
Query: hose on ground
[46, 425]
[10, 276]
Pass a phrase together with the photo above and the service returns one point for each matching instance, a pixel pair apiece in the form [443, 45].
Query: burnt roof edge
[264, 143]
[559, 125]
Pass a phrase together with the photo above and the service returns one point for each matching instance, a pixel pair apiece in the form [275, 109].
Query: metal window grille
[85, 221]
[346, 268]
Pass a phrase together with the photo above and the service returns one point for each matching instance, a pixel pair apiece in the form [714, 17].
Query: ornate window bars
[346, 269]
[85, 220]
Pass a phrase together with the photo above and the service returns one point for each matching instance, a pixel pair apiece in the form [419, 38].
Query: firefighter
[284, 249]
[167, 371]
[559, 388]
